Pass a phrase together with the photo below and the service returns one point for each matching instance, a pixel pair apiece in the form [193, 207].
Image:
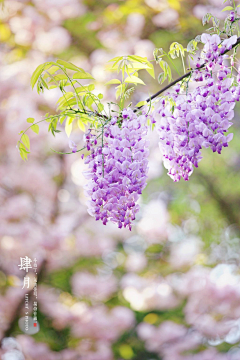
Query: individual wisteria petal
[117, 169]
[201, 118]
[72, 146]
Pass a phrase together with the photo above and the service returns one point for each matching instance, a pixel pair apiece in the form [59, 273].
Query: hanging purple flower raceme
[179, 141]
[117, 169]
[191, 121]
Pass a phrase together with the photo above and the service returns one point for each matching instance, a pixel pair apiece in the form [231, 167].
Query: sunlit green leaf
[60, 77]
[30, 120]
[176, 49]
[23, 155]
[138, 58]
[85, 89]
[228, 8]
[141, 103]
[43, 82]
[134, 80]
[69, 65]
[68, 126]
[117, 58]
[151, 70]
[82, 75]
[50, 71]
[68, 103]
[120, 90]
[91, 87]
[161, 78]
[35, 128]
[81, 125]
[23, 152]
[36, 74]
[66, 96]
[169, 73]
[100, 107]
[61, 119]
[113, 81]
[26, 141]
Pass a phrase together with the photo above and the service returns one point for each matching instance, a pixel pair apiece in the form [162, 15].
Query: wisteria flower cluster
[191, 121]
[117, 169]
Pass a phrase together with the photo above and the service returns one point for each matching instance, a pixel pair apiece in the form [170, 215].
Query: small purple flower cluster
[199, 119]
[214, 49]
[117, 168]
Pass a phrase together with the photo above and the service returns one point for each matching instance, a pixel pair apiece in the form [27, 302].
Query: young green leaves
[128, 66]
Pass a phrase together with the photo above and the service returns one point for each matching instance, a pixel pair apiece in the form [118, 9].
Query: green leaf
[120, 90]
[164, 65]
[113, 81]
[43, 82]
[60, 77]
[85, 89]
[35, 128]
[26, 141]
[161, 78]
[20, 132]
[91, 87]
[100, 96]
[68, 126]
[134, 80]
[138, 58]
[100, 107]
[117, 58]
[50, 71]
[176, 49]
[81, 125]
[36, 74]
[89, 101]
[68, 103]
[69, 65]
[61, 120]
[23, 155]
[23, 152]
[227, 8]
[82, 75]
[65, 97]
[151, 70]
[137, 66]
[238, 6]
[30, 120]
[141, 103]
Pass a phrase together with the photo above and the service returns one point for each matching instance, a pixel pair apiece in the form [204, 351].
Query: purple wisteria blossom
[72, 146]
[191, 121]
[117, 169]
[232, 16]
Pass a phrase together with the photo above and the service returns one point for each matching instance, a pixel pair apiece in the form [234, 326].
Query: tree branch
[181, 78]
